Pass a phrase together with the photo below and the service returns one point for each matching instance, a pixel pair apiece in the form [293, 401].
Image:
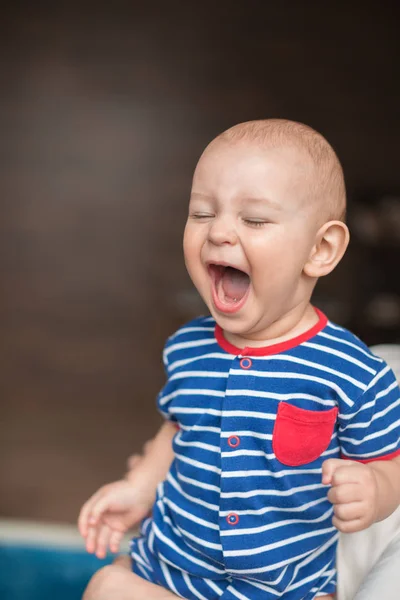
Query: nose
[222, 231]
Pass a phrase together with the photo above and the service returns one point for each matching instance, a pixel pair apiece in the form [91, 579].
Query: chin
[233, 324]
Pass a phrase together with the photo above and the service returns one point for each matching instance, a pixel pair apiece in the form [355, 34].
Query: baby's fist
[353, 493]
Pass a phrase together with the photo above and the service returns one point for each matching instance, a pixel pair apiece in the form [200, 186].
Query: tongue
[234, 283]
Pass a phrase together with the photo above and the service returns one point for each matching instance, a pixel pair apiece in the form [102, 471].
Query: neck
[294, 323]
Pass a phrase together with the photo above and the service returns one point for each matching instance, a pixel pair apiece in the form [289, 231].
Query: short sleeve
[370, 430]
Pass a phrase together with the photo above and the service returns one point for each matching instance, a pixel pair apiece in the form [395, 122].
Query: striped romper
[243, 513]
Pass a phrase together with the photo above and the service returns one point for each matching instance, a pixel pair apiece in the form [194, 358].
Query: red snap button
[233, 441]
[246, 363]
[232, 519]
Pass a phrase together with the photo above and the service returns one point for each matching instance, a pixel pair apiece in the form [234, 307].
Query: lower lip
[223, 307]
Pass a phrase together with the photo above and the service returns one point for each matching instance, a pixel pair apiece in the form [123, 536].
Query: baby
[281, 427]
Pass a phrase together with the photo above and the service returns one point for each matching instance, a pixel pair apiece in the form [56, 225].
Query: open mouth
[230, 287]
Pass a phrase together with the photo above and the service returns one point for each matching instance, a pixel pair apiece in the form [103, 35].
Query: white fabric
[359, 552]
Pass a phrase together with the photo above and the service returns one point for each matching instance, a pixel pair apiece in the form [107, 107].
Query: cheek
[274, 260]
[191, 250]
[263, 252]
[279, 246]
[187, 242]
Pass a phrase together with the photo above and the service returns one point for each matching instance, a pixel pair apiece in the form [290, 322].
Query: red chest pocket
[300, 436]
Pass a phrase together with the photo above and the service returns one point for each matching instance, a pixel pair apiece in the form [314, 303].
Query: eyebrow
[264, 201]
[250, 200]
[201, 196]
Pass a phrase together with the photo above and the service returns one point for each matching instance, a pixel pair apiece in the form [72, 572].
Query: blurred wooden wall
[105, 108]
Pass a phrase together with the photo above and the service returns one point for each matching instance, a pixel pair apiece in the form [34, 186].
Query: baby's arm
[118, 506]
[366, 488]
[156, 459]
[362, 493]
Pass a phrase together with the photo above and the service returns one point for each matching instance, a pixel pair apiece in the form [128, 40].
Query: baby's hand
[353, 493]
[109, 513]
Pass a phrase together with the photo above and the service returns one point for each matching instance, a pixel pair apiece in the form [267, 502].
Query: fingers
[98, 539]
[346, 493]
[83, 520]
[332, 465]
[348, 508]
[93, 509]
[353, 495]
[91, 539]
[328, 468]
[348, 512]
[348, 526]
[100, 506]
[103, 539]
[115, 540]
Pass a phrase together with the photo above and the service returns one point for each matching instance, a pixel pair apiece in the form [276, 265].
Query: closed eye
[255, 222]
[201, 216]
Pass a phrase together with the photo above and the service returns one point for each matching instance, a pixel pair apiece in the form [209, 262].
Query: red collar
[275, 348]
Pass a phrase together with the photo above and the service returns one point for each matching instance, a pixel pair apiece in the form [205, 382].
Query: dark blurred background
[105, 108]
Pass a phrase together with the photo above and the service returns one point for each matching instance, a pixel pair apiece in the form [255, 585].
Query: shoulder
[358, 373]
[348, 350]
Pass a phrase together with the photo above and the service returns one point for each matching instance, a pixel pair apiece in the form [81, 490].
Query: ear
[330, 244]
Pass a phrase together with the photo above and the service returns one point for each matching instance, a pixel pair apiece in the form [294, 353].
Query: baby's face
[249, 233]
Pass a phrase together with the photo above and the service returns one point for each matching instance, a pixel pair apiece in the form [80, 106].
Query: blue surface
[34, 573]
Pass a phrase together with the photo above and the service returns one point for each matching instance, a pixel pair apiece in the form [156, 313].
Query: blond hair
[327, 181]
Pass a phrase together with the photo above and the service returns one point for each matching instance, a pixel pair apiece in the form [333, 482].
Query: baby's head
[266, 220]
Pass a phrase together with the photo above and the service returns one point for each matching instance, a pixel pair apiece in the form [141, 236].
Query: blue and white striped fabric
[243, 512]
